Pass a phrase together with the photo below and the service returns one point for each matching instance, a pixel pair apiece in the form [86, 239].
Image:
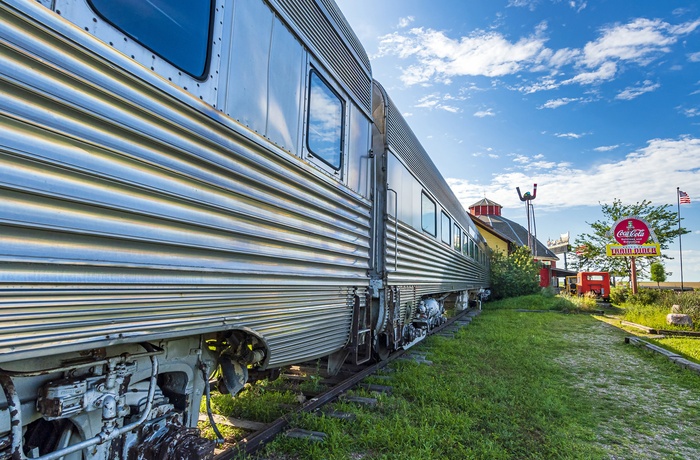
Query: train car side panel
[122, 201]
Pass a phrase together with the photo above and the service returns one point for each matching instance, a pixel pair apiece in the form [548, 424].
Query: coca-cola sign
[631, 231]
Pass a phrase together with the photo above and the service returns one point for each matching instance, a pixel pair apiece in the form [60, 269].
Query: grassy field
[516, 385]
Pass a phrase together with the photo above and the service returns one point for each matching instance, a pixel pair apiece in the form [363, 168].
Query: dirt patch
[643, 412]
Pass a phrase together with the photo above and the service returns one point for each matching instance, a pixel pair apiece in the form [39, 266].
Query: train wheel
[49, 436]
[381, 348]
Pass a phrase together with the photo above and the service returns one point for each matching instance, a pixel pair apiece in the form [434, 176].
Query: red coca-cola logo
[631, 231]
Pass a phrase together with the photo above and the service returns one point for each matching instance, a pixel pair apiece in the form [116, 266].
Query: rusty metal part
[14, 406]
[178, 443]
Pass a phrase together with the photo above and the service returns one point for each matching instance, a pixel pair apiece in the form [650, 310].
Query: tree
[514, 275]
[658, 273]
[591, 246]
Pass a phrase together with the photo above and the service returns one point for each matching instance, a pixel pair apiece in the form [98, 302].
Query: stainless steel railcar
[193, 185]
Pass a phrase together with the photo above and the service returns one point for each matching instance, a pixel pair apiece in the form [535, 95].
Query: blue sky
[591, 99]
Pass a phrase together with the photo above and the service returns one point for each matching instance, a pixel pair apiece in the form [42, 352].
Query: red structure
[505, 235]
[595, 282]
[485, 207]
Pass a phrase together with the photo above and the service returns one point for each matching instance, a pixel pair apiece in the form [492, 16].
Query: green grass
[530, 302]
[687, 347]
[650, 307]
[254, 402]
[547, 302]
[519, 386]
[653, 316]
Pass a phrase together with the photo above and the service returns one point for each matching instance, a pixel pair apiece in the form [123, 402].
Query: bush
[618, 294]
[586, 303]
[513, 275]
[645, 297]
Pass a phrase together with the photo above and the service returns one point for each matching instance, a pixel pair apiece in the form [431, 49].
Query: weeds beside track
[518, 385]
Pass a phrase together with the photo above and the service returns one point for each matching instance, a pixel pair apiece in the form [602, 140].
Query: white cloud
[606, 71]
[436, 101]
[435, 57]
[439, 57]
[634, 41]
[639, 41]
[643, 174]
[570, 135]
[636, 91]
[405, 22]
[578, 5]
[529, 4]
[606, 148]
[544, 84]
[484, 113]
[692, 112]
[554, 103]
[564, 57]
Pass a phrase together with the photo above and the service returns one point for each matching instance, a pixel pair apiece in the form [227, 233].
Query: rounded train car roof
[405, 144]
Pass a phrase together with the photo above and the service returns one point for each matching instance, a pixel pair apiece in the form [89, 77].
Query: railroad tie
[360, 400]
[416, 357]
[384, 389]
[298, 433]
[337, 414]
[673, 357]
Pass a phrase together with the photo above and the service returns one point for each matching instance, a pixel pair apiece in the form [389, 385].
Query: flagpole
[680, 238]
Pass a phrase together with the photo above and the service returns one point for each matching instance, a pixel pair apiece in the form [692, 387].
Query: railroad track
[334, 387]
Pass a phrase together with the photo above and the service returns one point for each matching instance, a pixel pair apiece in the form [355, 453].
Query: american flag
[684, 198]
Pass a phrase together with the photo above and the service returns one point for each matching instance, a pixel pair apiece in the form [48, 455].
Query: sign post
[560, 246]
[633, 236]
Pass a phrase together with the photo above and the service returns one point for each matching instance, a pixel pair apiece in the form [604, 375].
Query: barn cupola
[485, 207]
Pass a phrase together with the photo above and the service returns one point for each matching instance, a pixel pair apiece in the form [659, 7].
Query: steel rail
[251, 444]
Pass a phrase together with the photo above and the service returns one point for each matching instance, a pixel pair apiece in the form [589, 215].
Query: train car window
[325, 124]
[457, 238]
[445, 227]
[465, 244]
[428, 214]
[177, 31]
[472, 248]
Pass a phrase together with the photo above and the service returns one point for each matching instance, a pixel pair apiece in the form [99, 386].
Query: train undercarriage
[142, 401]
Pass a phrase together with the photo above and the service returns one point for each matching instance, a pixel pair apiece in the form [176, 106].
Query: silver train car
[191, 187]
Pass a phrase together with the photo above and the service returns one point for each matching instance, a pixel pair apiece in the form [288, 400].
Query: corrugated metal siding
[430, 266]
[402, 141]
[423, 263]
[126, 212]
[349, 35]
[309, 19]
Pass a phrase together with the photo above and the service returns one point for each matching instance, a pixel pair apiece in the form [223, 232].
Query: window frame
[457, 238]
[343, 107]
[426, 198]
[208, 53]
[443, 216]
